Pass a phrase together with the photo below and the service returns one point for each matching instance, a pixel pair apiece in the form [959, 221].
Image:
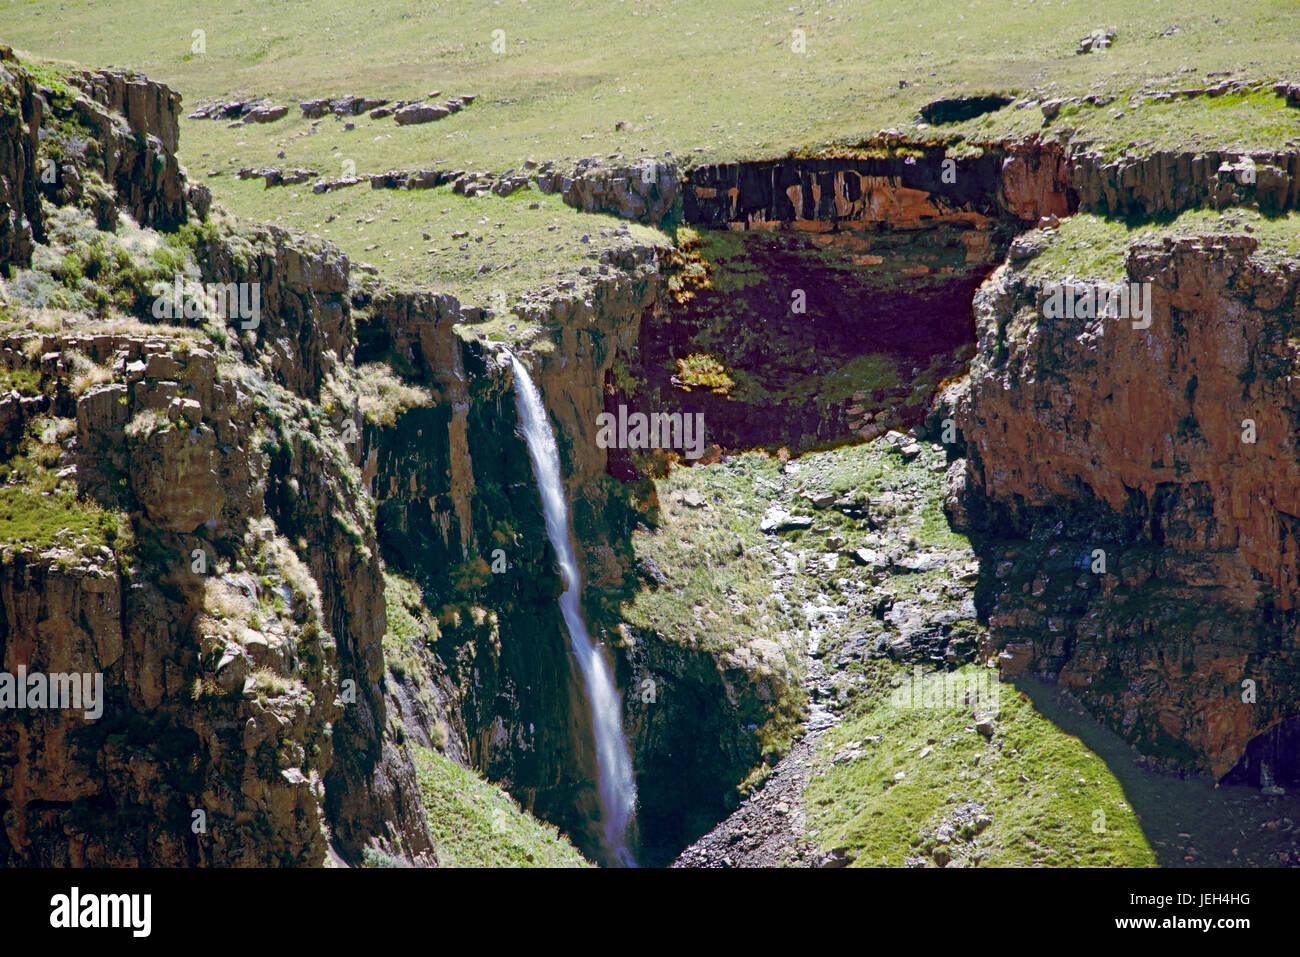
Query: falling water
[614, 762]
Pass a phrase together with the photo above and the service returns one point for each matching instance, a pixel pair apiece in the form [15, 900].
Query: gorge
[384, 577]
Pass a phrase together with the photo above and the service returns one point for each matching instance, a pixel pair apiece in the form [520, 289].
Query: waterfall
[614, 762]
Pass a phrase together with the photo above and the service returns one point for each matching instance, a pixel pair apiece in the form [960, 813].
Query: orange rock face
[1171, 449]
[1036, 182]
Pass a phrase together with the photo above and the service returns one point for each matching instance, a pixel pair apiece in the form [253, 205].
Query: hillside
[441, 425]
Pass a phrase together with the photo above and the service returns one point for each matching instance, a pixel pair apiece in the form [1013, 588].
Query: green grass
[875, 372]
[1042, 787]
[26, 381]
[511, 248]
[715, 557]
[573, 70]
[1088, 246]
[719, 594]
[477, 825]
[410, 626]
[699, 370]
[84, 269]
[46, 519]
[570, 72]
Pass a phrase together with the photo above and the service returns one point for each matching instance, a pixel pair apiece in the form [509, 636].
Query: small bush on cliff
[705, 372]
[86, 373]
[86, 269]
[372, 857]
[385, 397]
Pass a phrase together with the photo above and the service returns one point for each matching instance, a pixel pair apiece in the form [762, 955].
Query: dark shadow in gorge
[1272, 758]
[825, 336]
[1220, 819]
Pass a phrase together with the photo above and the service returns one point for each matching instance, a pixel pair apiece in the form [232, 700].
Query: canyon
[237, 518]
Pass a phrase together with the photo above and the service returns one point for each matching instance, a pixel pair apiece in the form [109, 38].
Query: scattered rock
[778, 519]
[819, 499]
[837, 857]
[420, 113]
[327, 186]
[1096, 40]
[268, 114]
[692, 498]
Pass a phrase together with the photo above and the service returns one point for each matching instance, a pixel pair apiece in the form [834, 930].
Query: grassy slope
[721, 76]
[1094, 247]
[475, 824]
[1041, 785]
[511, 246]
[1037, 779]
[702, 81]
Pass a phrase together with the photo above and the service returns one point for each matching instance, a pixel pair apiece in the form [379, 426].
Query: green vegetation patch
[903, 771]
[481, 249]
[61, 518]
[876, 372]
[715, 557]
[475, 824]
[1090, 246]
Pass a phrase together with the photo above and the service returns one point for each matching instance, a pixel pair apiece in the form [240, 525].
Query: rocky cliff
[1134, 491]
[183, 519]
[21, 120]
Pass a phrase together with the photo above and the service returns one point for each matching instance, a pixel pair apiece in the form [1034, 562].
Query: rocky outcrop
[403, 112]
[149, 108]
[906, 190]
[647, 192]
[136, 124]
[1136, 491]
[1167, 183]
[303, 323]
[21, 112]
[214, 738]
[1037, 182]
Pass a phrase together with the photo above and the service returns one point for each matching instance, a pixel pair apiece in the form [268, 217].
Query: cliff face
[920, 187]
[201, 712]
[21, 221]
[135, 124]
[816, 336]
[1172, 450]
[1084, 436]
[183, 519]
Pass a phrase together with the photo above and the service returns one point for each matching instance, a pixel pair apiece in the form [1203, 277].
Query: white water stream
[616, 784]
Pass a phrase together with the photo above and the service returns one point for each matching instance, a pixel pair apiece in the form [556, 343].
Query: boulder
[1095, 41]
[420, 113]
